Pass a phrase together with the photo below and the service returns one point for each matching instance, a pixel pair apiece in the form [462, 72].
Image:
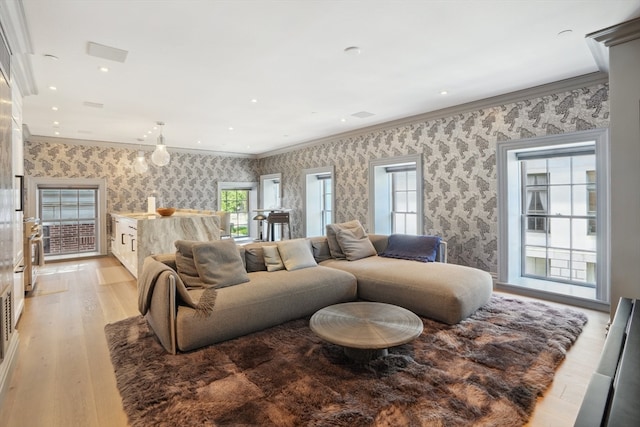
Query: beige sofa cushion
[355, 244]
[296, 254]
[332, 240]
[445, 292]
[219, 263]
[272, 258]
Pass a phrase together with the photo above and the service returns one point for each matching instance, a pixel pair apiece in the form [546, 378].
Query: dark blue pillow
[416, 248]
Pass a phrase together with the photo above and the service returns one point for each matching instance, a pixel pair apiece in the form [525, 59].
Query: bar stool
[281, 218]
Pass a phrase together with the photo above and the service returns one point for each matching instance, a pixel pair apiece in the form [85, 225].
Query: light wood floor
[64, 375]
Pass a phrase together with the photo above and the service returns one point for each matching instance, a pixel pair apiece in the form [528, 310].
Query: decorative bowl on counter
[166, 211]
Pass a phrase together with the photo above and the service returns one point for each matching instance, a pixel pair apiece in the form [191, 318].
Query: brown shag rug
[486, 371]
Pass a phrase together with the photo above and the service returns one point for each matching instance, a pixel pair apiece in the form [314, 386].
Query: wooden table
[366, 329]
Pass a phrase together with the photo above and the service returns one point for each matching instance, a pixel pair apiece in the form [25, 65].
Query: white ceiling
[197, 64]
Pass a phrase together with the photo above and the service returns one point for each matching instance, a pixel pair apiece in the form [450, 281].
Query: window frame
[313, 203]
[509, 266]
[252, 202]
[34, 183]
[381, 194]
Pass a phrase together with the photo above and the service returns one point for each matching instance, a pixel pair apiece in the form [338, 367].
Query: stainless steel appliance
[33, 251]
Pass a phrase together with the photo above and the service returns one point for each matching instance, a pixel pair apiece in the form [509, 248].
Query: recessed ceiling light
[352, 50]
[144, 136]
[199, 142]
[343, 120]
[104, 69]
[230, 128]
[443, 92]
[51, 57]
[54, 108]
[56, 123]
[53, 88]
[254, 100]
[56, 133]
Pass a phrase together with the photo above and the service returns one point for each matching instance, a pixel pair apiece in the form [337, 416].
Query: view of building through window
[69, 220]
[559, 218]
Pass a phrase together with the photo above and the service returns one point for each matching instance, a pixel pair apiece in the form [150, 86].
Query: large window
[395, 195]
[73, 215]
[69, 218]
[240, 199]
[552, 237]
[318, 198]
[236, 202]
[558, 244]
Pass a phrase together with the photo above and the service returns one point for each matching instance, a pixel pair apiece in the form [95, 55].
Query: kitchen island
[135, 236]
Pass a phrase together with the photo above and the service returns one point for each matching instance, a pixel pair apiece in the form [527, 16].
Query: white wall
[625, 170]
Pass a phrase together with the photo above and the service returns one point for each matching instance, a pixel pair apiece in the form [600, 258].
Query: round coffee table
[366, 329]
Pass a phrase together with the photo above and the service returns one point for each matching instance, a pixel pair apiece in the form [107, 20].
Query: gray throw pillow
[219, 263]
[355, 244]
[320, 246]
[254, 257]
[296, 254]
[185, 266]
[272, 258]
[332, 230]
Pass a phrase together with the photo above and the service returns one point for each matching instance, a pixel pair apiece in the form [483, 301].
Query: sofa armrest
[161, 315]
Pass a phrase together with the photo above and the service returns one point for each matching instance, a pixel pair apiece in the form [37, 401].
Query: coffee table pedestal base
[364, 355]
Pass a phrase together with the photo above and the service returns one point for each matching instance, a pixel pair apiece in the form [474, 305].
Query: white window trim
[253, 200]
[270, 177]
[32, 188]
[316, 171]
[390, 161]
[509, 267]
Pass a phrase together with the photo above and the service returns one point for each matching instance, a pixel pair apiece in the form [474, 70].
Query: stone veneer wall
[459, 162]
[190, 181]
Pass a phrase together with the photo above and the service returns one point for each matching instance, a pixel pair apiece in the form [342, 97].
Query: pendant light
[140, 164]
[160, 156]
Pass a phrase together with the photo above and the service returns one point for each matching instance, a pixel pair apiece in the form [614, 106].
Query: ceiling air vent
[92, 104]
[106, 52]
[363, 114]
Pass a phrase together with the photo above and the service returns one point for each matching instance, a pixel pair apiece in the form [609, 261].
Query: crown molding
[600, 41]
[14, 24]
[135, 147]
[534, 92]
[617, 34]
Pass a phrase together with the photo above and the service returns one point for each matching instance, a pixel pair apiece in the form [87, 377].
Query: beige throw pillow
[185, 266]
[332, 230]
[219, 263]
[355, 244]
[272, 258]
[296, 254]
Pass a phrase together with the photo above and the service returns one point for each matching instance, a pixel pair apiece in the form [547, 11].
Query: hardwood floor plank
[64, 375]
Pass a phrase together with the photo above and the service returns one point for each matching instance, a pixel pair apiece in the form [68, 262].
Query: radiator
[6, 320]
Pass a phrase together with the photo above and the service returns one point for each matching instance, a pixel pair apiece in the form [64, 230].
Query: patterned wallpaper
[190, 181]
[459, 161]
[459, 165]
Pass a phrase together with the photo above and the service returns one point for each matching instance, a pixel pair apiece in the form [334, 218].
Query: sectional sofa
[264, 284]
